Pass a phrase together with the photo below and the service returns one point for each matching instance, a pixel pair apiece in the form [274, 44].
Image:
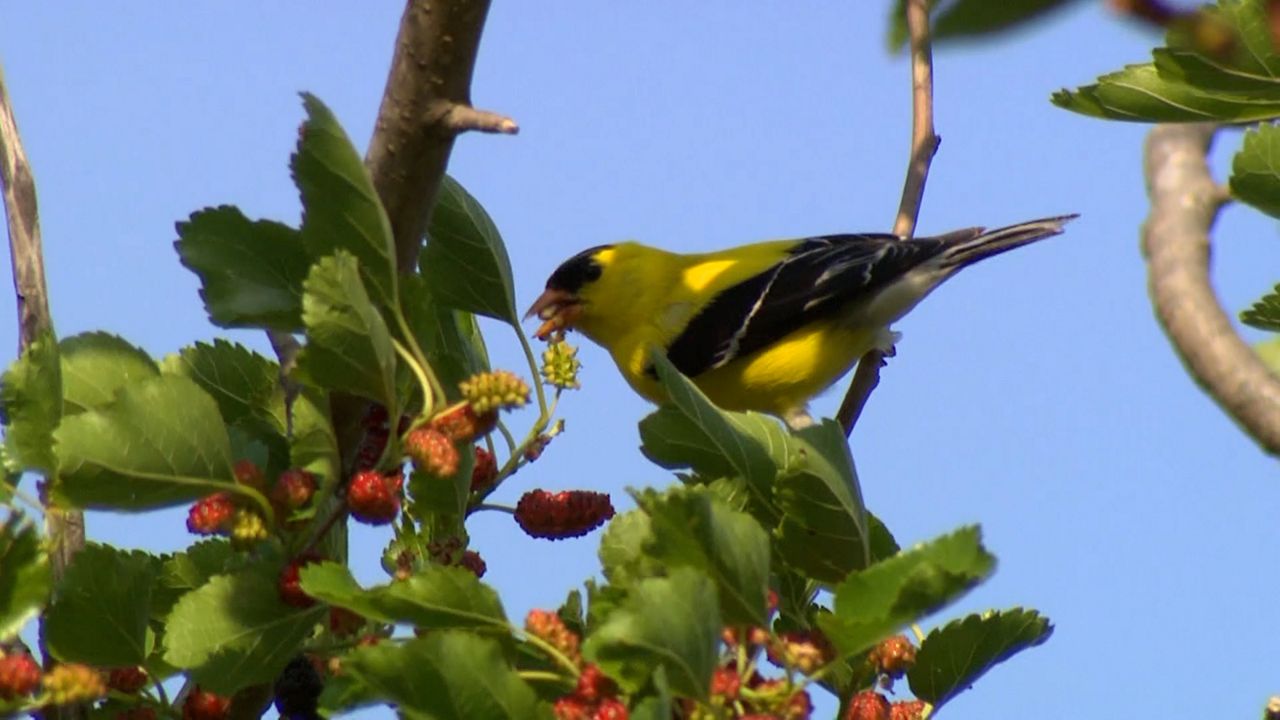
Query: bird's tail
[970, 246]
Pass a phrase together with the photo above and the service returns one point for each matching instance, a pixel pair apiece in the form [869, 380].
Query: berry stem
[516, 459]
[915, 629]
[550, 650]
[428, 387]
[536, 373]
[506, 435]
[493, 506]
[543, 676]
[432, 390]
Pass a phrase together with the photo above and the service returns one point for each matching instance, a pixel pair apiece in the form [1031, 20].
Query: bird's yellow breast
[775, 379]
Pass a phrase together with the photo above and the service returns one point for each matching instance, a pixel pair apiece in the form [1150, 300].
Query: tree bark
[1175, 241]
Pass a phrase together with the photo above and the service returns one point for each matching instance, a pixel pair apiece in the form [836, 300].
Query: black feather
[819, 276]
[577, 271]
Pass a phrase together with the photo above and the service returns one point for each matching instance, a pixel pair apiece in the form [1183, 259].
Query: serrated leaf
[1265, 313]
[242, 382]
[340, 207]
[969, 18]
[447, 675]
[435, 597]
[251, 272]
[102, 608]
[183, 572]
[690, 527]
[622, 557]
[31, 398]
[234, 631]
[95, 366]
[748, 445]
[824, 529]
[671, 623]
[348, 345]
[954, 656]
[465, 262]
[873, 603]
[25, 575]
[1221, 65]
[1255, 170]
[161, 443]
[449, 338]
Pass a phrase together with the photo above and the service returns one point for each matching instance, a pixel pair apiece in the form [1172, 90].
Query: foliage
[1218, 64]
[765, 553]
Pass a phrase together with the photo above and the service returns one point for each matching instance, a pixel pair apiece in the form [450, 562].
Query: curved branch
[1175, 241]
[924, 144]
[426, 104]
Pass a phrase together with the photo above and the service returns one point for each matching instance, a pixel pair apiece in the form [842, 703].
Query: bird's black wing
[818, 276]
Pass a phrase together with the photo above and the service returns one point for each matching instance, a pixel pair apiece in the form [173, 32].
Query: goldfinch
[762, 327]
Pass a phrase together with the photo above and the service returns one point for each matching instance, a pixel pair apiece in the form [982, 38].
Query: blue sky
[1033, 394]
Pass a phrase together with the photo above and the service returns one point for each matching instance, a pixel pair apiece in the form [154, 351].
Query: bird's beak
[557, 309]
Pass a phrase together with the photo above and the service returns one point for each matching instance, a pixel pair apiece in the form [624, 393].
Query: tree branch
[1175, 241]
[924, 144]
[64, 529]
[426, 104]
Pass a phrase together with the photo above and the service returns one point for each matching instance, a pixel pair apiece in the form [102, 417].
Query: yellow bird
[765, 326]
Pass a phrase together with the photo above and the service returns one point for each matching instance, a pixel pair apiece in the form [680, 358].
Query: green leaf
[31, 398]
[748, 446]
[443, 497]
[340, 207]
[1221, 65]
[161, 443]
[242, 382]
[1265, 313]
[25, 577]
[1255, 171]
[691, 527]
[465, 262]
[446, 676]
[234, 631]
[671, 623]
[251, 272]
[95, 366]
[969, 18]
[183, 572]
[953, 657]
[314, 444]
[348, 345]
[824, 529]
[656, 703]
[622, 557]
[102, 608]
[435, 597]
[450, 338]
[873, 603]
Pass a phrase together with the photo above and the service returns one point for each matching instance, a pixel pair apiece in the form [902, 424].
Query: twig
[426, 104]
[924, 144]
[1175, 241]
[65, 529]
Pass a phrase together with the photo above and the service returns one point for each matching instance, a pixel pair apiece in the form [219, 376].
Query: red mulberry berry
[472, 561]
[907, 710]
[571, 708]
[291, 592]
[201, 705]
[294, 488]
[461, 423]
[432, 452]
[548, 626]
[374, 498]
[868, 705]
[566, 514]
[247, 473]
[19, 675]
[211, 515]
[127, 680]
[485, 471]
[611, 709]
[894, 656]
[594, 685]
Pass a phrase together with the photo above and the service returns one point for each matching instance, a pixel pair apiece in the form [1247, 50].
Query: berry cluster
[871, 705]
[548, 627]
[226, 514]
[753, 697]
[893, 657]
[560, 365]
[594, 698]
[496, 390]
[565, 514]
[70, 683]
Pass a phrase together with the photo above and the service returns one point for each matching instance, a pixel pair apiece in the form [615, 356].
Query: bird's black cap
[577, 271]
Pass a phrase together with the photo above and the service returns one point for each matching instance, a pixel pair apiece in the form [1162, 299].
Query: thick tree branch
[64, 529]
[1175, 240]
[427, 102]
[924, 144]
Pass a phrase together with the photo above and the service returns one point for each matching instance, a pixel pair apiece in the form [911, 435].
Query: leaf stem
[551, 651]
[428, 384]
[542, 676]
